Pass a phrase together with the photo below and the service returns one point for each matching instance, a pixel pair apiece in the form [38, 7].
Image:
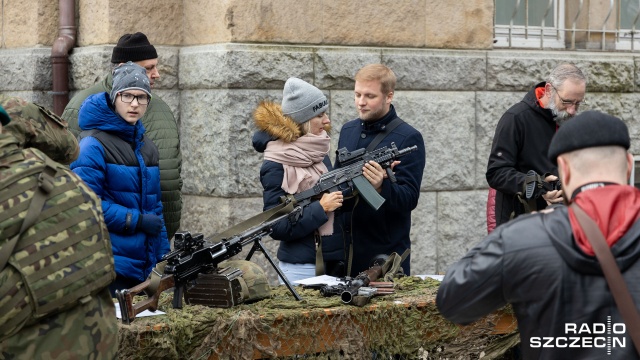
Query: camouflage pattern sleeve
[37, 127]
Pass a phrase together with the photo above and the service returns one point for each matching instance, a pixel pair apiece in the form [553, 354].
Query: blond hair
[378, 72]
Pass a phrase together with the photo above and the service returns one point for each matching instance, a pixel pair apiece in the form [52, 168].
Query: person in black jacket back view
[523, 135]
[543, 264]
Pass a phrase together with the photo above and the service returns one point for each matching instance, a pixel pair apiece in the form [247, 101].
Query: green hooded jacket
[163, 130]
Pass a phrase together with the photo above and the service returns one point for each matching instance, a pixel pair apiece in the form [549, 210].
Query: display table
[405, 323]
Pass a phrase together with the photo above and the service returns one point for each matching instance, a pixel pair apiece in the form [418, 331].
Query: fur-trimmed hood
[268, 117]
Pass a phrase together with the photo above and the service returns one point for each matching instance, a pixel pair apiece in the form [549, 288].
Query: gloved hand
[150, 224]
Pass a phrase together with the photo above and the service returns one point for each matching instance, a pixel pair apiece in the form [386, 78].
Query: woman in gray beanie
[120, 163]
[295, 156]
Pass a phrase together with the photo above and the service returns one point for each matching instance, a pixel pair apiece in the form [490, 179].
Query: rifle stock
[129, 310]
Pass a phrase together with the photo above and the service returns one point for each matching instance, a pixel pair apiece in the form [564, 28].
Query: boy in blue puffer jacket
[120, 163]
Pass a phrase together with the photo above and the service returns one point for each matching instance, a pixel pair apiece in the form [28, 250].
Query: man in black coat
[543, 263]
[522, 139]
[386, 230]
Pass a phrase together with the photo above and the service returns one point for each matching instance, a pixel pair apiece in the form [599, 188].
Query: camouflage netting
[404, 325]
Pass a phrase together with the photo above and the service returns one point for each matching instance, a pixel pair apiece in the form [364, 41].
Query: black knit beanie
[589, 129]
[133, 47]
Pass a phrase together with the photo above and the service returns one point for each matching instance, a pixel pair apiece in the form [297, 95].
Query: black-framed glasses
[577, 104]
[128, 98]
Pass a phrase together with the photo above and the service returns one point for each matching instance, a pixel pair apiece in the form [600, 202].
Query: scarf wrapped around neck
[302, 163]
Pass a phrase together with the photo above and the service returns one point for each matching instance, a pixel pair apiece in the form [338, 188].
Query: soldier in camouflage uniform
[84, 329]
[37, 127]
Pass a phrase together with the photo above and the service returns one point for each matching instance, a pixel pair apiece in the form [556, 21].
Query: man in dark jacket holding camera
[523, 135]
[543, 264]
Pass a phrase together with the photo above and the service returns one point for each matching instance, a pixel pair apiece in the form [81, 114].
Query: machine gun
[193, 255]
[359, 290]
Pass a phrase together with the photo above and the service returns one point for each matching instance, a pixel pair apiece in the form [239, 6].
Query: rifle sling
[612, 274]
[320, 270]
[383, 134]
[284, 208]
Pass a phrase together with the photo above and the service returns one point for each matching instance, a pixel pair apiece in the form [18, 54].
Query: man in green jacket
[158, 120]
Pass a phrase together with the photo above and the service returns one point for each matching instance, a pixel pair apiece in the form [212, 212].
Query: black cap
[589, 129]
[133, 47]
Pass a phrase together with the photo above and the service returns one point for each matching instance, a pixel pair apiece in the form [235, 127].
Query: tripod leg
[257, 246]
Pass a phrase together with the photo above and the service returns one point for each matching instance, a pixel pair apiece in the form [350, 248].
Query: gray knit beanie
[129, 76]
[302, 101]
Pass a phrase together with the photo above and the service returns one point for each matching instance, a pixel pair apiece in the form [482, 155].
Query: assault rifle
[194, 255]
[350, 172]
[359, 290]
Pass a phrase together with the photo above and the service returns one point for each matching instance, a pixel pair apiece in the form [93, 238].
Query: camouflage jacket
[37, 127]
[163, 130]
[88, 330]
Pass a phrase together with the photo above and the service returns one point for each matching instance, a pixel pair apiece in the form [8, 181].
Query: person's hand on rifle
[331, 201]
[554, 196]
[373, 172]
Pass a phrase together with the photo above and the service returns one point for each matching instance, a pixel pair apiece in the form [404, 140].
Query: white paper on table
[322, 279]
[142, 314]
[435, 277]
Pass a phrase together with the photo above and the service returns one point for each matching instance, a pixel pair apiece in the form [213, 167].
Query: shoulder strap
[611, 272]
[87, 133]
[46, 180]
[319, 258]
[383, 134]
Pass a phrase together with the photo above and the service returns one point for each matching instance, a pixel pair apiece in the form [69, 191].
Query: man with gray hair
[522, 138]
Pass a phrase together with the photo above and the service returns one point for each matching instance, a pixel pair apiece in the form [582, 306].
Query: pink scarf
[302, 163]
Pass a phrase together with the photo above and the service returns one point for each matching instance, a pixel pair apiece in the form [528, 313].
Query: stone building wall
[218, 59]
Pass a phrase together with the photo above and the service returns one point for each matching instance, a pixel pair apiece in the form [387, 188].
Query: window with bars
[544, 24]
[529, 23]
[628, 36]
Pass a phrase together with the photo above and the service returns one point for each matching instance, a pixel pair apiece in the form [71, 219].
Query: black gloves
[150, 224]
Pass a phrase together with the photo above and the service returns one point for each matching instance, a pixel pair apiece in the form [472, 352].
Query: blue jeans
[295, 272]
